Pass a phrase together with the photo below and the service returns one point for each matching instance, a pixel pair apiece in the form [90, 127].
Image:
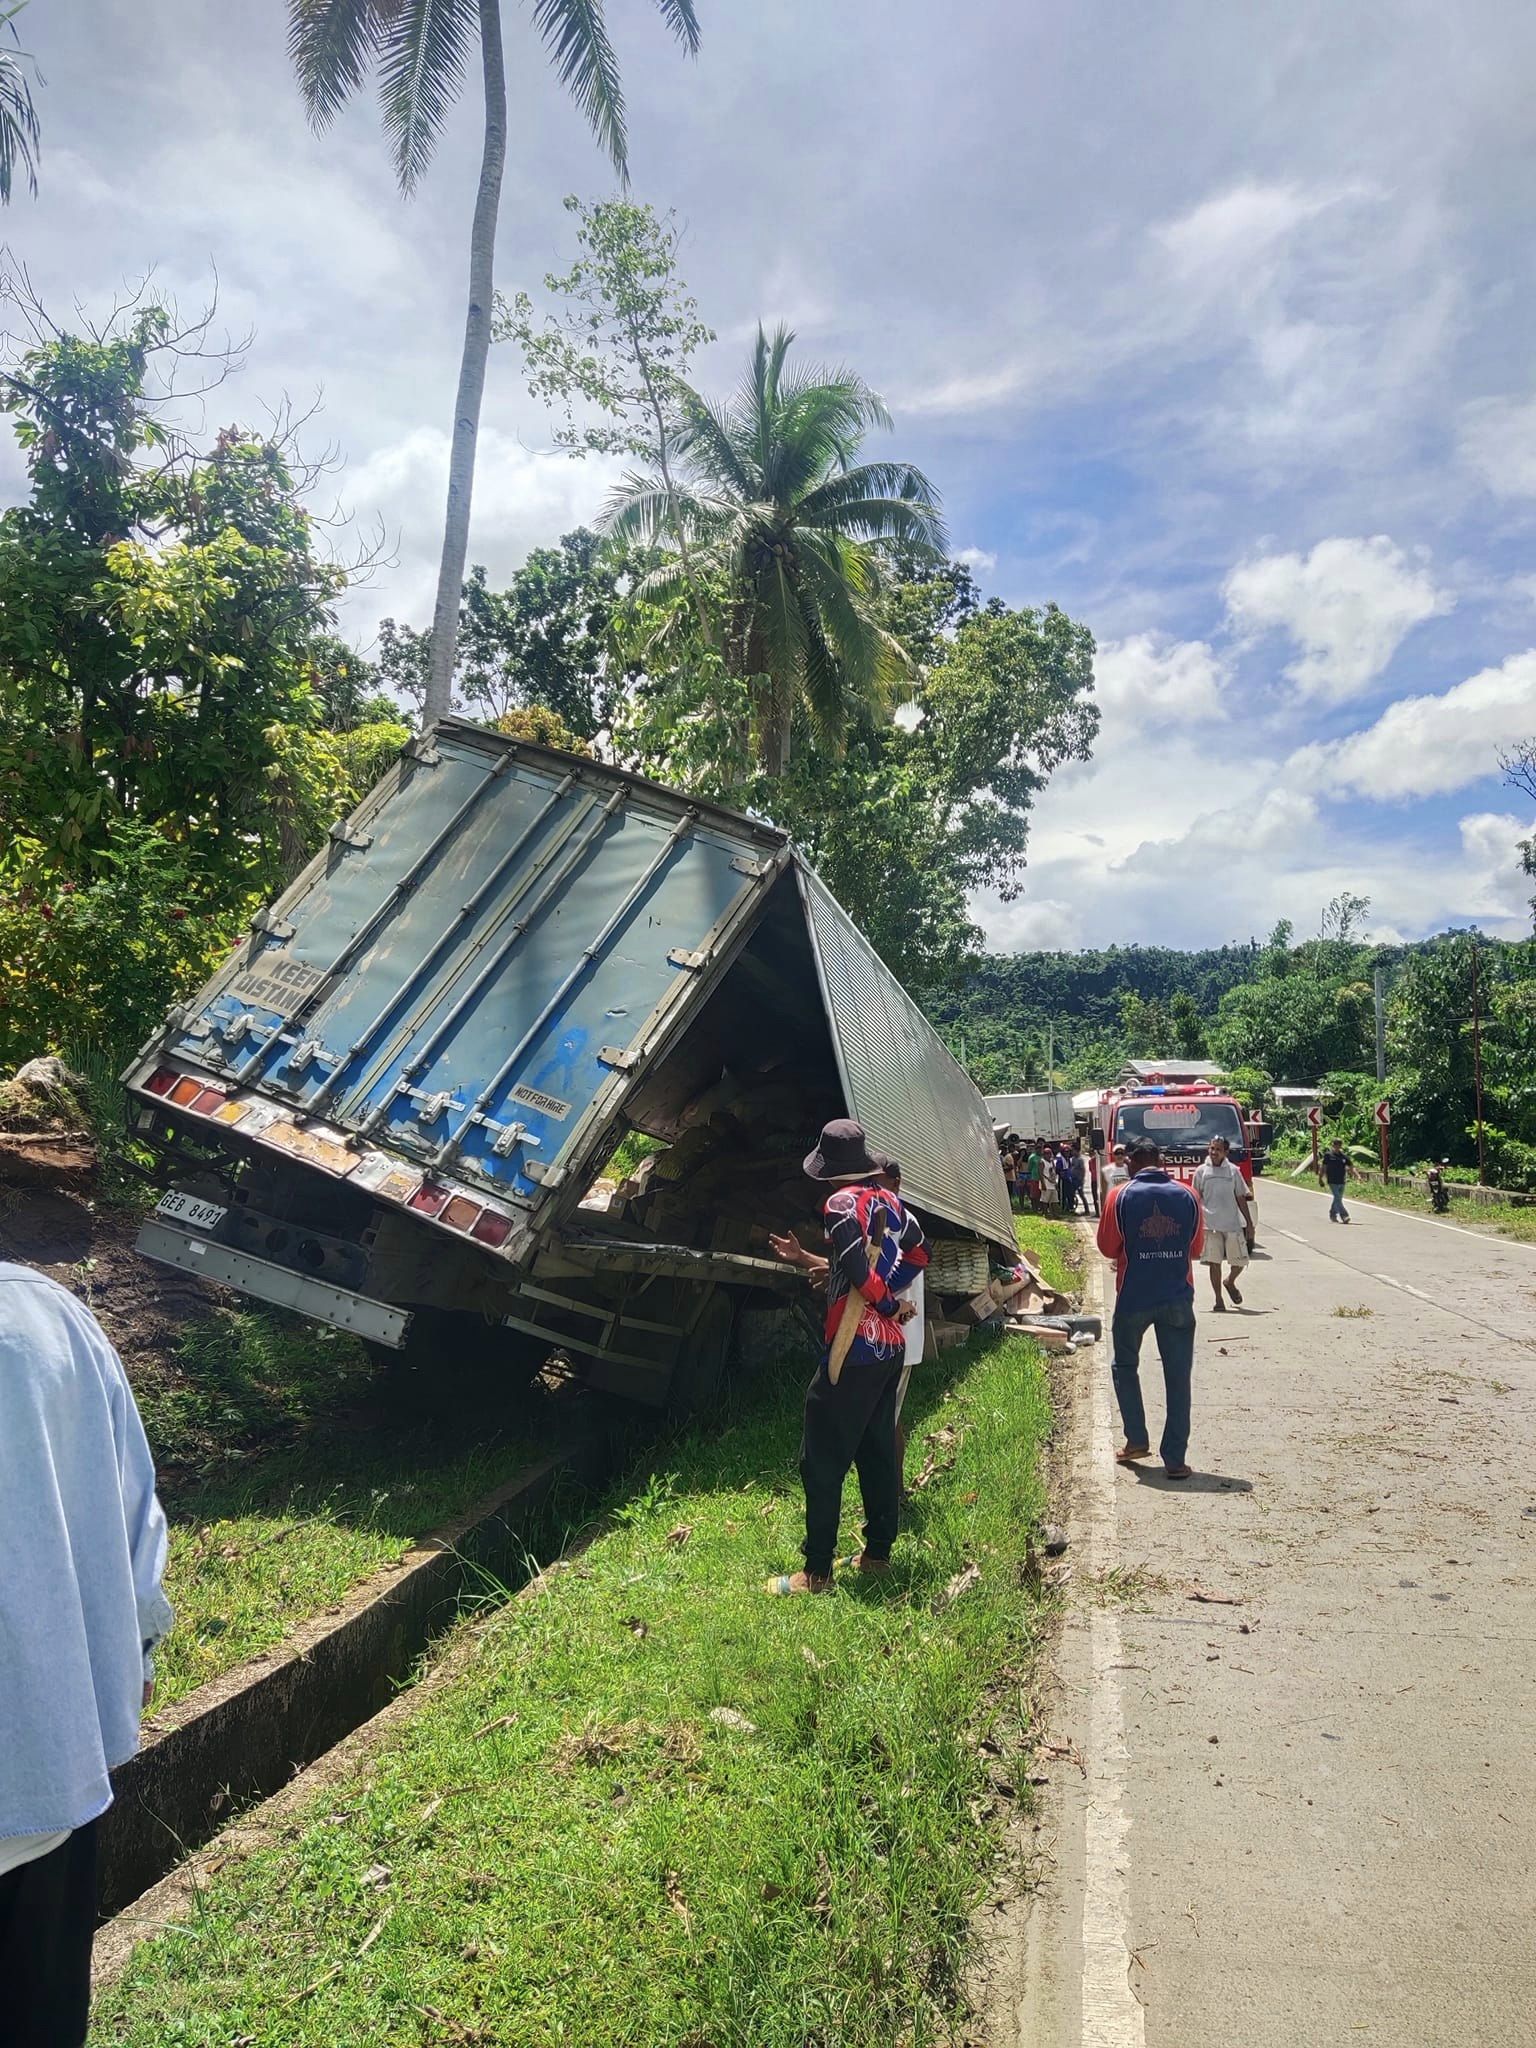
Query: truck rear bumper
[193, 1253]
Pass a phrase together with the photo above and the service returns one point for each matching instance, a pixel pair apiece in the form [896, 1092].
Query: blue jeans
[1336, 1206]
[1174, 1323]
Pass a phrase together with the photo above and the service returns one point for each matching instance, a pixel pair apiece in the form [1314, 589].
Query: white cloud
[1423, 746]
[1498, 439]
[1148, 676]
[1348, 605]
[1498, 887]
[1238, 231]
[1036, 924]
[524, 498]
[982, 560]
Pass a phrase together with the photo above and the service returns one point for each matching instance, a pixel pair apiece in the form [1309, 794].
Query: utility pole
[1050, 1054]
[1381, 1022]
[1477, 1069]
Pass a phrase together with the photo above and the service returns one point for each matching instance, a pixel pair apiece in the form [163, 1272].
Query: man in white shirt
[1229, 1229]
[81, 1610]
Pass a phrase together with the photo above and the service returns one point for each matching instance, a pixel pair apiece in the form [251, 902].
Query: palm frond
[19, 134]
[683, 22]
[865, 408]
[822, 682]
[708, 441]
[820, 428]
[757, 401]
[588, 69]
[878, 501]
[665, 585]
[422, 56]
[331, 44]
[838, 579]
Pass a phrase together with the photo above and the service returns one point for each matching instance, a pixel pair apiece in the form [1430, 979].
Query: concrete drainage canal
[242, 1736]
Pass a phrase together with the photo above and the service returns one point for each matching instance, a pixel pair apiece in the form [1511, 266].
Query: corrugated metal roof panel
[910, 1094]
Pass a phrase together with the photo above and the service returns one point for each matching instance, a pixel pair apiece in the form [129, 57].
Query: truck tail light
[429, 1200]
[492, 1229]
[161, 1081]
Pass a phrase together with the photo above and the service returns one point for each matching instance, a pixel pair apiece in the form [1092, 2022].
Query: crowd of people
[1045, 1173]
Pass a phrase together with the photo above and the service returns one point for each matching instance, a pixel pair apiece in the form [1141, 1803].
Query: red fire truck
[1182, 1117]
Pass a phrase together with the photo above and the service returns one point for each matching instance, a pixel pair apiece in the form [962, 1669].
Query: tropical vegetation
[420, 50]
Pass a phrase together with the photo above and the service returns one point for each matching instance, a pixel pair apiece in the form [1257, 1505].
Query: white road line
[1291, 1234]
[1112, 2018]
[1483, 1236]
[1388, 1281]
[1409, 1288]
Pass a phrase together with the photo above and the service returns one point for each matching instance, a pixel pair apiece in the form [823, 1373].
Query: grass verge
[253, 1555]
[245, 1380]
[657, 1806]
[1055, 1248]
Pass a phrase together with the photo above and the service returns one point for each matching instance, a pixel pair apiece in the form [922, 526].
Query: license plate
[191, 1210]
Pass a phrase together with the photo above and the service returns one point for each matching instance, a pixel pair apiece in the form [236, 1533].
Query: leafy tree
[1146, 1027]
[545, 639]
[345, 685]
[420, 49]
[903, 821]
[541, 727]
[774, 504]
[618, 349]
[160, 612]
[94, 963]
[1520, 773]
[1295, 1025]
[19, 132]
[1188, 1030]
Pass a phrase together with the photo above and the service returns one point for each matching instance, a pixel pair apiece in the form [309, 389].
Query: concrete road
[1300, 1812]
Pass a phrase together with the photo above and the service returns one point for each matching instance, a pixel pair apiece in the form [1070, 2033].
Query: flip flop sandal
[784, 1586]
[1132, 1452]
[1178, 1471]
[871, 1567]
[1237, 1299]
[1218, 1307]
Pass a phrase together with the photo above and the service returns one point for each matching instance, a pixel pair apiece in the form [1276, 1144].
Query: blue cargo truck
[397, 1106]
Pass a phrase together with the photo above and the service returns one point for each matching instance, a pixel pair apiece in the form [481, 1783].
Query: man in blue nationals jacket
[1153, 1230]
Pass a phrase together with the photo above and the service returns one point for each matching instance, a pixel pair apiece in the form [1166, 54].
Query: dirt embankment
[56, 1214]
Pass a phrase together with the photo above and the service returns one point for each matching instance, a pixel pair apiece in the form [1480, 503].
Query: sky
[1210, 324]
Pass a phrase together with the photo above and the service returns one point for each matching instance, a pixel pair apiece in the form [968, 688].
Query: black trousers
[47, 1920]
[853, 1423]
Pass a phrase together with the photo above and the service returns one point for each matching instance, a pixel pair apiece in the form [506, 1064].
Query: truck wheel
[699, 1377]
[451, 1355]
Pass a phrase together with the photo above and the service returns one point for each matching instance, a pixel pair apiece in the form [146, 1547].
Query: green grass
[566, 1843]
[1055, 1248]
[252, 1556]
[244, 1379]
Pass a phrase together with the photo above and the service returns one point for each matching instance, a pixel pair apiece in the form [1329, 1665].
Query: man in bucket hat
[877, 1249]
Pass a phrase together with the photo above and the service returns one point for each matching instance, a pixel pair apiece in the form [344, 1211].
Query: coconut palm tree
[774, 501]
[420, 49]
[18, 116]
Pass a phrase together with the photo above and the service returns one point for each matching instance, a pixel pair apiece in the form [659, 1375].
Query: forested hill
[1087, 987]
[1014, 1003]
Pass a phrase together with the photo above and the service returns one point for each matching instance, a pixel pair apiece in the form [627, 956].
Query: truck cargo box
[505, 960]
[1046, 1115]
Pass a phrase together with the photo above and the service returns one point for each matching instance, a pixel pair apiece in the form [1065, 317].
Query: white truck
[1041, 1118]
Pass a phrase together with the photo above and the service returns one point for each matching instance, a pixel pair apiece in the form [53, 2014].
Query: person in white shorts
[1229, 1228]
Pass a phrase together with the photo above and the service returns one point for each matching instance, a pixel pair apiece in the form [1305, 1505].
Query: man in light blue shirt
[82, 1554]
